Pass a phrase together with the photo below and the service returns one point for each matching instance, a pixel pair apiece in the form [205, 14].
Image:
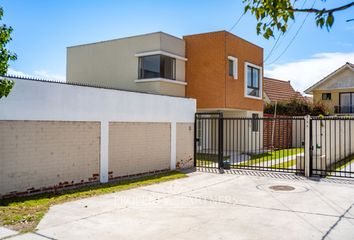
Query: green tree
[5, 56]
[275, 14]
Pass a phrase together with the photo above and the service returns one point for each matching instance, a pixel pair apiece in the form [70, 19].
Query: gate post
[307, 146]
[195, 141]
[221, 142]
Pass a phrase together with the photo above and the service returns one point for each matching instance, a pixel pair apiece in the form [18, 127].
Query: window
[157, 66]
[346, 102]
[231, 68]
[326, 96]
[253, 81]
[255, 122]
[232, 64]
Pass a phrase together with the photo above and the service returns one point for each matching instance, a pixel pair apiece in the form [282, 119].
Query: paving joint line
[267, 208]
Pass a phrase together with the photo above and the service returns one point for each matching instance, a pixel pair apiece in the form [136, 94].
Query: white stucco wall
[114, 64]
[333, 140]
[35, 100]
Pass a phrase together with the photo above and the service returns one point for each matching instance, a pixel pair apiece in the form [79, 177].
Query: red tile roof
[279, 90]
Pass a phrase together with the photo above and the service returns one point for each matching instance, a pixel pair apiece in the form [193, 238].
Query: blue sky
[44, 28]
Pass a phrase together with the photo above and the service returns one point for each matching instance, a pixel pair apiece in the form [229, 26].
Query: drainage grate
[282, 188]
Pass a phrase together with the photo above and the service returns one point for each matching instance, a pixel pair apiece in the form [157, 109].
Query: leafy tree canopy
[275, 14]
[5, 56]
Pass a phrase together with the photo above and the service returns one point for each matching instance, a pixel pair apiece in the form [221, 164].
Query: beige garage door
[138, 148]
[37, 154]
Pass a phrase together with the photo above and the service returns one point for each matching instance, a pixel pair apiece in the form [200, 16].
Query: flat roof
[204, 33]
[123, 38]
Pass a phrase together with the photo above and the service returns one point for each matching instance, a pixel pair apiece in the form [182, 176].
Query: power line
[287, 31]
[293, 39]
[271, 51]
[276, 45]
[237, 22]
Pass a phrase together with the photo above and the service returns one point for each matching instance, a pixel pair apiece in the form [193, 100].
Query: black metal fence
[332, 146]
[273, 144]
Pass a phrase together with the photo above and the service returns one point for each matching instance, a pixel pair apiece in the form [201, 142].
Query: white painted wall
[298, 133]
[35, 100]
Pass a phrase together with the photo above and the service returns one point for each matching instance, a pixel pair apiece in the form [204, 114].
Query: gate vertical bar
[308, 144]
[221, 144]
[195, 141]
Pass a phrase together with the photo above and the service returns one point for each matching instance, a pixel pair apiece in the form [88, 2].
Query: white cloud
[305, 72]
[14, 72]
[46, 75]
[40, 74]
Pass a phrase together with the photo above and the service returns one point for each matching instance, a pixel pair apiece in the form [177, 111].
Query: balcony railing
[344, 109]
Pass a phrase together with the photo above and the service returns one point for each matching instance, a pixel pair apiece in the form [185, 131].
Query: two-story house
[222, 71]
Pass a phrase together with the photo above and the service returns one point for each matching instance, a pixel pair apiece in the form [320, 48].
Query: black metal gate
[332, 146]
[271, 144]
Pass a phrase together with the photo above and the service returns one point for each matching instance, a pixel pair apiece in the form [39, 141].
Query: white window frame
[260, 81]
[235, 66]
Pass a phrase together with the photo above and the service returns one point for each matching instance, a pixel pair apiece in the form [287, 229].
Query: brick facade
[207, 70]
[283, 132]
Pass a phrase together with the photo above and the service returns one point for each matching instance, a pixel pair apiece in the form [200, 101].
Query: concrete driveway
[239, 205]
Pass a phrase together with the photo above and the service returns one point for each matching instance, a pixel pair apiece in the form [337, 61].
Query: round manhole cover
[282, 188]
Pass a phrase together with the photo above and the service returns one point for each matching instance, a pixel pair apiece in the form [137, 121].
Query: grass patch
[206, 159]
[24, 213]
[269, 156]
[283, 165]
[337, 166]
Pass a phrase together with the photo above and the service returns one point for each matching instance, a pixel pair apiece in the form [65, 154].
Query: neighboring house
[222, 71]
[336, 90]
[276, 90]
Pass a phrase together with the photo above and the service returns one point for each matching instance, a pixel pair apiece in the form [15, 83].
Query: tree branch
[314, 10]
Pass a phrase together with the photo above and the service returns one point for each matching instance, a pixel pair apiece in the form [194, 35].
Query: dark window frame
[326, 96]
[252, 81]
[162, 70]
[231, 67]
[351, 106]
[255, 122]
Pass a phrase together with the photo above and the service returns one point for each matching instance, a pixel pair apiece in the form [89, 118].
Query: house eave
[345, 66]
